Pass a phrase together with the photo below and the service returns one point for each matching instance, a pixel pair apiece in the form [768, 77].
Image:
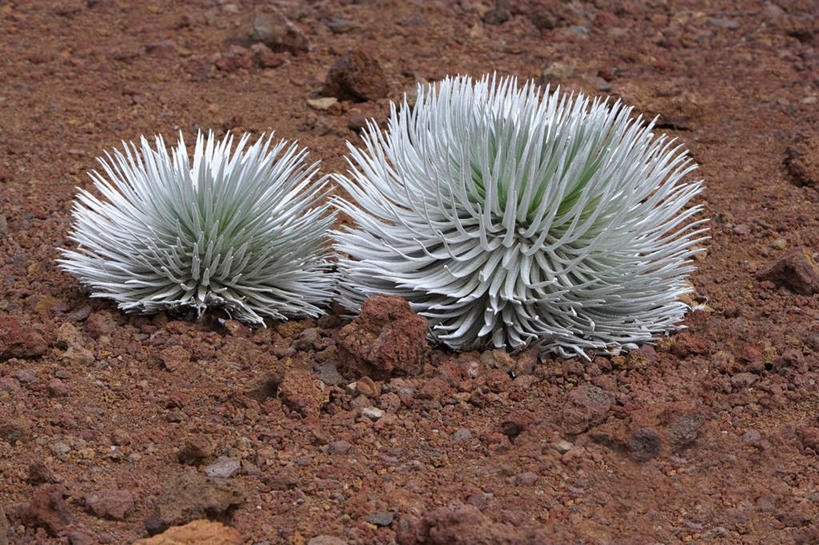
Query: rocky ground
[113, 427]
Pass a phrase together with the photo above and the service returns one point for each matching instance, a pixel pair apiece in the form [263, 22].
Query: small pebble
[462, 435]
[223, 468]
[751, 437]
[562, 446]
[339, 447]
[373, 413]
[26, 377]
[526, 479]
[366, 386]
[322, 103]
[380, 519]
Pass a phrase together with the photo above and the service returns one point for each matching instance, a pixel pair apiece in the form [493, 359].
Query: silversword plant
[510, 216]
[240, 229]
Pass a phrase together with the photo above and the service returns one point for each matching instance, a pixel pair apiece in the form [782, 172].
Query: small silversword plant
[241, 229]
[510, 216]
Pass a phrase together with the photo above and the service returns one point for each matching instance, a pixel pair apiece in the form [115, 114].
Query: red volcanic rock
[302, 391]
[386, 339]
[18, 340]
[47, 510]
[587, 406]
[110, 504]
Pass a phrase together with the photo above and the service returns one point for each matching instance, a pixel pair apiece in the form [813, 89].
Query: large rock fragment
[18, 340]
[802, 160]
[198, 532]
[273, 30]
[796, 270]
[13, 426]
[193, 496]
[110, 504]
[196, 450]
[587, 406]
[357, 76]
[386, 339]
[302, 391]
[47, 510]
[462, 525]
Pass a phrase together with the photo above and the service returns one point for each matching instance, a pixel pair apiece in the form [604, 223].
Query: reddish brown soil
[710, 437]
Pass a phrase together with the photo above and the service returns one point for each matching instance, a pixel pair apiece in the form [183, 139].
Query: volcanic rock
[196, 450]
[275, 31]
[100, 323]
[13, 428]
[194, 496]
[302, 391]
[356, 76]
[796, 270]
[47, 510]
[644, 444]
[110, 504]
[802, 160]
[387, 338]
[223, 467]
[197, 532]
[462, 525]
[588, 406]
[18, 340]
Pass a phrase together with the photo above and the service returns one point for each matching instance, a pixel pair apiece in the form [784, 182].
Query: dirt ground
[114, 426]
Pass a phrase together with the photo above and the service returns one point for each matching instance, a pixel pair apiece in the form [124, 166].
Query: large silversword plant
[511, 217]
[240, 229]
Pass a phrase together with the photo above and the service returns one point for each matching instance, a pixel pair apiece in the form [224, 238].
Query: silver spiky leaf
[510, 216]
[240, 229]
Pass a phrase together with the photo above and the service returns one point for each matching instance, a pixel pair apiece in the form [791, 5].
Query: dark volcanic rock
[40, 473]
[13, 427]
[498, 14]
[683, 432]
[796, 270]
[644, 444]
[387, 338]
[357, 76]
[380, 519]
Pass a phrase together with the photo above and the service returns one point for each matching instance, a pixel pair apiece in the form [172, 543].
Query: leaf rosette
[242, 229]
[512, 216]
